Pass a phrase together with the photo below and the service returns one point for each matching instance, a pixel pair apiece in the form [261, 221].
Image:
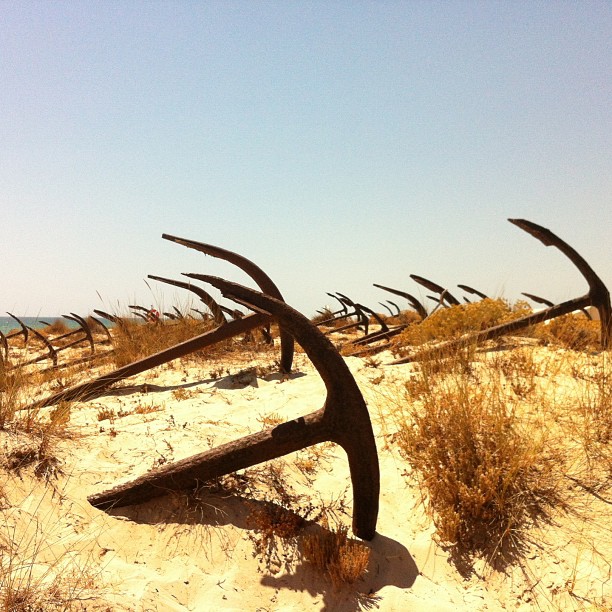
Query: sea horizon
[8, 324]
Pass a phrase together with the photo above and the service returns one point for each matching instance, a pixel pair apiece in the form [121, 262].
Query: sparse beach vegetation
[506, 448]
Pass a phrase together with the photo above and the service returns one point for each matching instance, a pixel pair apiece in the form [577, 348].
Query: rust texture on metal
[361, 319]
[338, 315]
[448, 297]
[265, 283]
[52, 350]
[397, 308]
[473, 291]
[57, 344]
[384, 333]
[343, 309]
[416, 305]
[204, 296]
[351, 309]
[538, 300]
[383, 324]
[84, 327]
[105, 329]
[386, 307]
[24, 331]
[343, 419]
[206, 316]
[117, 320]
[142, 309]
[598, 296]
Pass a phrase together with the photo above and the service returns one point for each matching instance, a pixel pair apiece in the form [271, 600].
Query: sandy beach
[216, 550]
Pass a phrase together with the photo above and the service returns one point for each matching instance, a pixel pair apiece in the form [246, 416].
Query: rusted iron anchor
[359, 313]
[4, 343]
[416, 305]
[25, 330]
[343, 419]
[468, 289]
[397, 308]
[53, 351]
[598, 296]
[91, 388]
[207, 299]
[445, 295]
[540, 300]
[265, 283]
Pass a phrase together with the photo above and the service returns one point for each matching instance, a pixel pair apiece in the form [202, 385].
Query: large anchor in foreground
[343, 419]
[598, 297]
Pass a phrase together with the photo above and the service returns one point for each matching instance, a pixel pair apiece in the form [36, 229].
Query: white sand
[162, 556]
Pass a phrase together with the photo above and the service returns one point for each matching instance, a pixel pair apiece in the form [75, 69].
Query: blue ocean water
[8, 324]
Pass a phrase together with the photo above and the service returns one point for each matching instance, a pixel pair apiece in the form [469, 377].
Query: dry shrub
[37, 447]
[135, 340]
[106, 413]
[598, 408]
[42, 429]
[270, 420]
[274, 537]
[58, 328]
[572, 331]
[142, 408]
[406, 317]
[336, 555]
[279, 516]
[453, 322]
[274, 519]
[323, 315]
[520, 370]
[483, 477]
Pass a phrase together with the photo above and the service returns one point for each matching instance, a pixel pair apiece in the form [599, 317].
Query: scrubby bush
[572, 331]
[482, 475]
[453, 322]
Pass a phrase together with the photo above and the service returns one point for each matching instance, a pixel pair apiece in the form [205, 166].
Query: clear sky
[336, 144]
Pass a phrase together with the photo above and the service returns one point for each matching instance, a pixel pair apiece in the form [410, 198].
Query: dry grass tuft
[34, 574]
[31, 433]
[483, 475]
[572, 331]
[336, 555]
[57, 328]
[135, 340]
[325, 314]
[12, 391]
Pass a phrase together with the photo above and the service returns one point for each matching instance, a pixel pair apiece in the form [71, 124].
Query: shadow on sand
[230, 382]
[390, 563]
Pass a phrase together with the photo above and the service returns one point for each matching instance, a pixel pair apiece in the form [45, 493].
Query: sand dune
[201, 552]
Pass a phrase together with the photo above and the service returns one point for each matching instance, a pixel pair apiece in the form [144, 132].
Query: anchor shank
[501, 330]
[91, 388]
[225, 459]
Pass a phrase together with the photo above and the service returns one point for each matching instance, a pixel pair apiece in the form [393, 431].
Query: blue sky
[336, 144]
